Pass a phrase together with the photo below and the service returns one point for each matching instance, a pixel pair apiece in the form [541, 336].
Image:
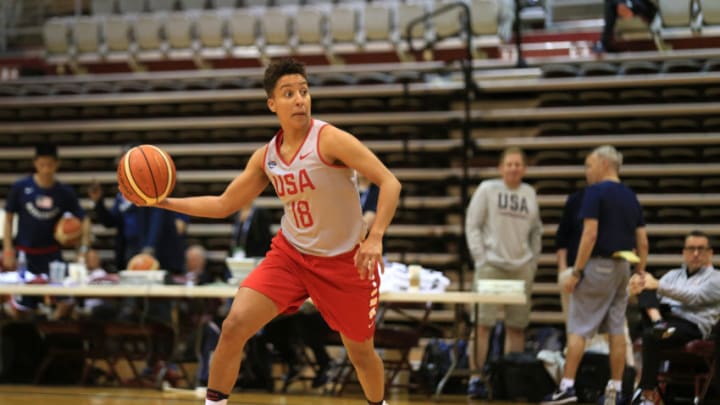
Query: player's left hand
[570, 283]
[369, 257]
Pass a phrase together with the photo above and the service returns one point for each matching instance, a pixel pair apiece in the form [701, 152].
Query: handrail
[521, 63]
[445, 8]
[471, 90]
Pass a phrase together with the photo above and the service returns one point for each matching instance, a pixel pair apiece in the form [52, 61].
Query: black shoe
[292, 374]
[662, 330]
[560, 397]
[477, 389]
[321, 377]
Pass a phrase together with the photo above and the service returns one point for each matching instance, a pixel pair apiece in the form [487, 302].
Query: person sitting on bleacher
[682, 306]
[645, 9]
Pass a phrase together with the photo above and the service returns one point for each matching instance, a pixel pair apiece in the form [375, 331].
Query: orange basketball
[143, 261]
[68, 231]
[146, 175]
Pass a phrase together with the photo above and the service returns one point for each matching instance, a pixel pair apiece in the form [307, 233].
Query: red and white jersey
[322, 206]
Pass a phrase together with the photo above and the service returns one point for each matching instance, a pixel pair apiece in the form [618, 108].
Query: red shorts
[289, 277]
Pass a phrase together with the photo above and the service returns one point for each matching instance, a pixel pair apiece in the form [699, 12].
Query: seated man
[645, 9]
[686, 301]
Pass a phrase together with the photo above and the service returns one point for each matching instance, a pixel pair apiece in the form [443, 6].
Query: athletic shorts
[599, 301]
[516, 315]
[288, 277]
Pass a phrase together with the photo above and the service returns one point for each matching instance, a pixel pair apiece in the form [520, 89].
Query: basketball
[68, 231]
[146, 175]
[143, 261]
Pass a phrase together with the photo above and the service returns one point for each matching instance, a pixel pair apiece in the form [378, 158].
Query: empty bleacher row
[319, 32]
[139, 34]
[243, 78]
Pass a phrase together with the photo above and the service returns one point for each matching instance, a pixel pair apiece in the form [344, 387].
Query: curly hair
[280, 68]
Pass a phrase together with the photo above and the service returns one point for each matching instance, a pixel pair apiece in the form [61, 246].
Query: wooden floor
[45, 395]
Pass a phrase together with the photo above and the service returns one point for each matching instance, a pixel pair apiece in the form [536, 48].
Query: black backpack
[22, 352]
[435, 363]
[593, 375]
[519, 377]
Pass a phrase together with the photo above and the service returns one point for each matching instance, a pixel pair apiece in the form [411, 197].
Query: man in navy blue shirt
[612, 222]
[39, 201]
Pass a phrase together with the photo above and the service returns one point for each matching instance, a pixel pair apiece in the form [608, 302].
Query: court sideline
[67, 395]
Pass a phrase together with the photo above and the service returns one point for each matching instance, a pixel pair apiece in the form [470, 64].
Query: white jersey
[322, 206]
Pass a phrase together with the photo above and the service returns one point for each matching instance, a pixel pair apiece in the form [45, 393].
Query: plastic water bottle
[82, 270]
[22, 266]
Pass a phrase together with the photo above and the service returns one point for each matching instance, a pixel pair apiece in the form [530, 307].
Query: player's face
[593, 169]
[512, 169]
[194, 262]
[92, 259]
[696, 252]
[46, 166]
[291, 101]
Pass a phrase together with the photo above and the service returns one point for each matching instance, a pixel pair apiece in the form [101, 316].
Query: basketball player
[39, 201]
[319, 251]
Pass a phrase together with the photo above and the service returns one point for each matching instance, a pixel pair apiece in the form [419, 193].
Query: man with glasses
[683, 305]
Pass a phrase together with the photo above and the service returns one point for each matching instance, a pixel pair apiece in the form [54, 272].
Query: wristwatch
[577, 272]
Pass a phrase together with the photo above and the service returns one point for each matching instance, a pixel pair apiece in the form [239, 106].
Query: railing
[470, 91]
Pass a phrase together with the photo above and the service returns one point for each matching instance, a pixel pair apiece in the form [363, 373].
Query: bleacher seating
[103, 7]
[710, 12]
[257, 31]
[658, 109]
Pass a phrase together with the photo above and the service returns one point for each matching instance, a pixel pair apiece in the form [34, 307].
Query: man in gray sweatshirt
[503, 232]
[685, 302]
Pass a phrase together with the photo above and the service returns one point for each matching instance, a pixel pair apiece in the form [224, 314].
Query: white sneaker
[610, 395]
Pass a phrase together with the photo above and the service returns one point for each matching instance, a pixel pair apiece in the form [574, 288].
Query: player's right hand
[95, 191]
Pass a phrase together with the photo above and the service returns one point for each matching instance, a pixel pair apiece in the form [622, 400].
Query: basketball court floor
[74, 395]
